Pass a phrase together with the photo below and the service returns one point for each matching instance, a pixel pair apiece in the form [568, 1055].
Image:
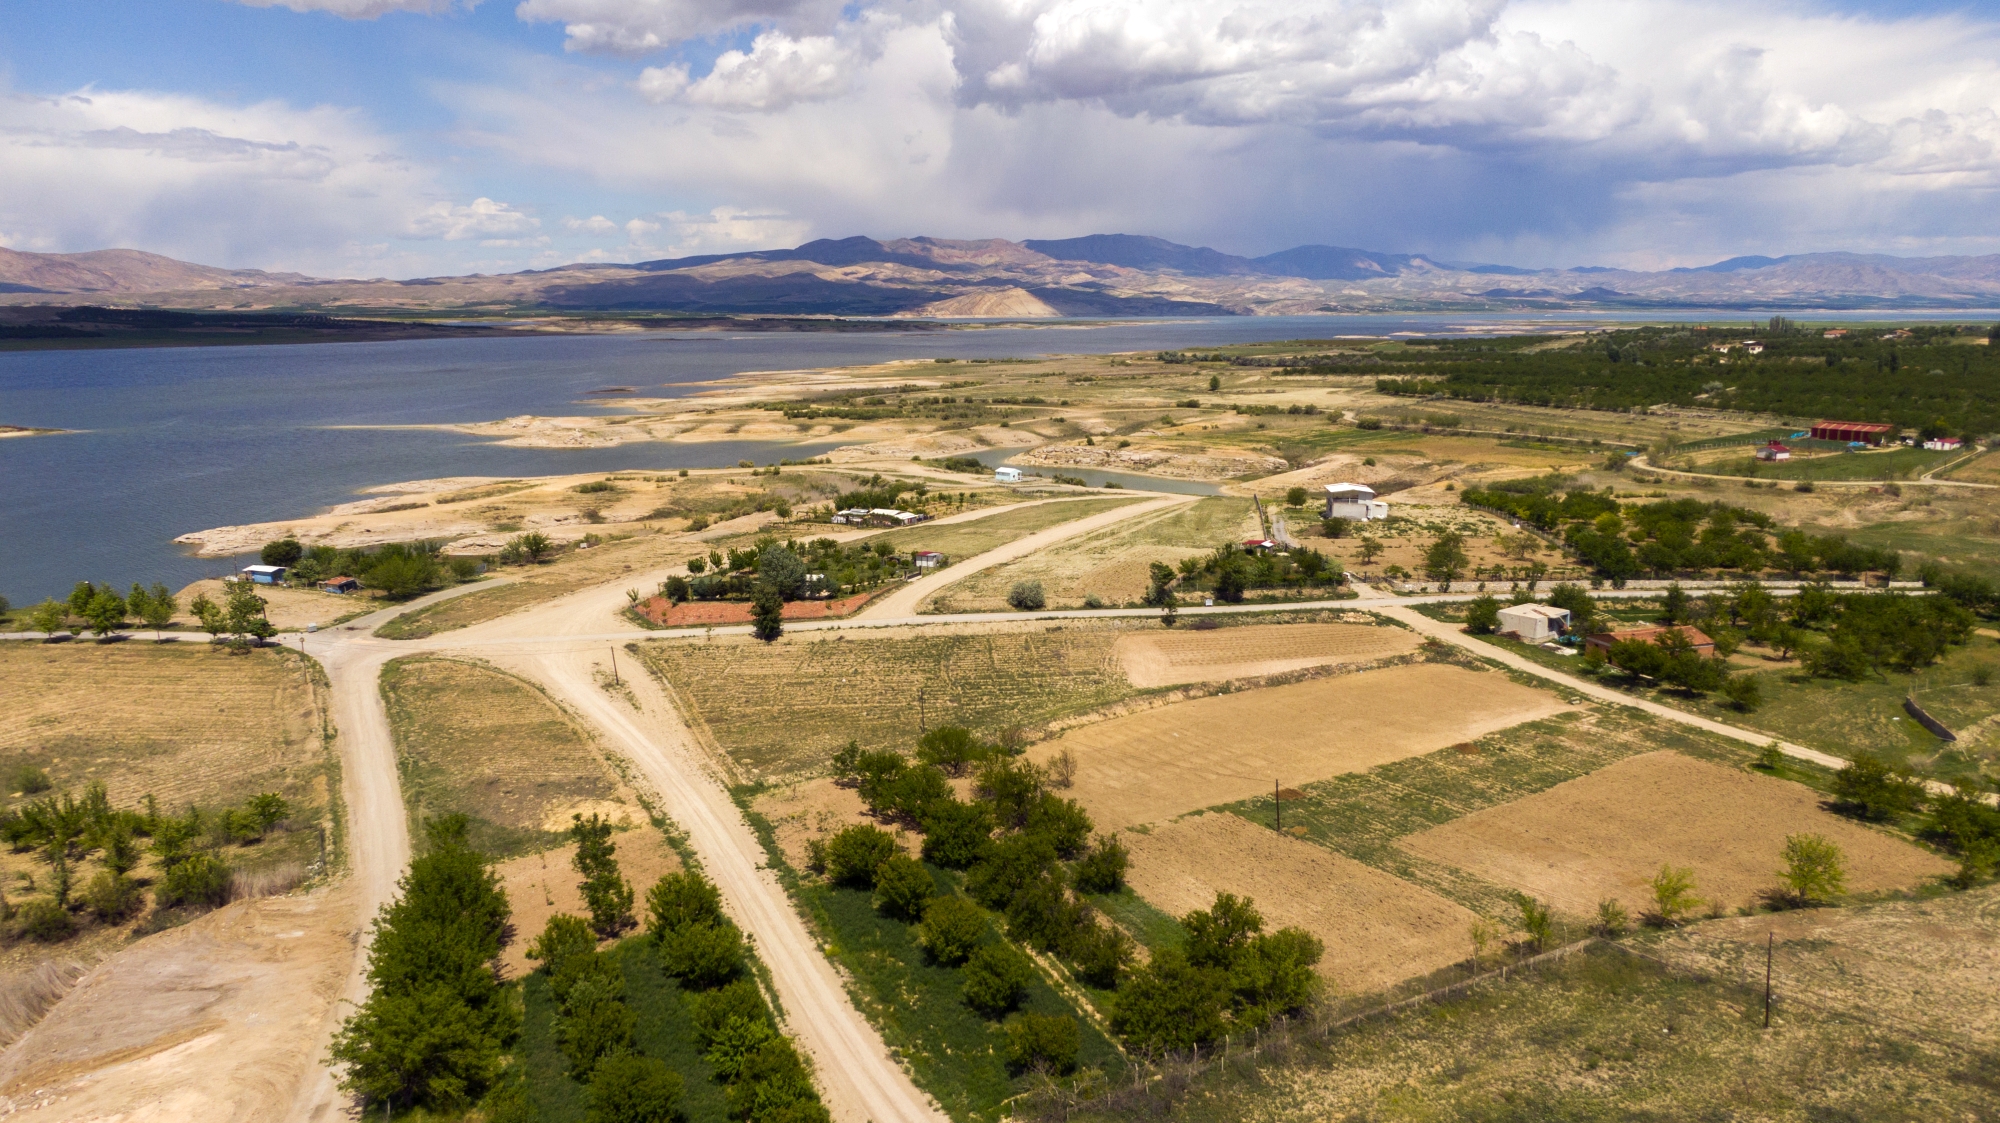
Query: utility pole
[1770, 940]
[614, 666]
[920, 712]
[1278, 805]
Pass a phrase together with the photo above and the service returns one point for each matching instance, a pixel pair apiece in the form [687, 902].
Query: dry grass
[543, 884]
[1111, 563]
[872, 688]
[1171, 658]
[1378, 929]
[187, 724]
[1607, 834]
[962, 540]
[28, 994]
[805, 810]
[267, 881]
[472, 738]
[1162, 762]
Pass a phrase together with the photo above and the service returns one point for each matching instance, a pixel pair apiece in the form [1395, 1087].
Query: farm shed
[1533, 622]
[340, 585]
[853, 516]
[1852, 431]
[1007, 475]
[886, 516]
[928, 559]
[1354, 501]
[1944, 444]
[265, 574]
[1650, 633]
[1774, 451]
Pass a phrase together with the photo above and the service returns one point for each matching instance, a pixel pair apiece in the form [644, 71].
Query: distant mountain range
[1098, 275]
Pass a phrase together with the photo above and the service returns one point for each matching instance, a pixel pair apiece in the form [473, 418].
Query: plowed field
[1172, 658]
[1607, 834]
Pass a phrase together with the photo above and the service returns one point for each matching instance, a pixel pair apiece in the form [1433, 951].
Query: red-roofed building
[1852, 432]
[1774, 451]
[1650, 633]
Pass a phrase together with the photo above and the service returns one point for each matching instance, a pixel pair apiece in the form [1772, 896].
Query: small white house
[1774, 451]
[1007, 475]
[1533, 623]
[265, 574]
[1356, 502]
[1944, 444]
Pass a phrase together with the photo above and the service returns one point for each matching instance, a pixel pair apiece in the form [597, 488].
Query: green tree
[767, 612]
[702, 955]
[80, 596]
[106, 612]
[1445, 560]
[1170, 1004]
[781, 569]
[605, 890]
[1042, 1043]
[531, 547]
[1027, 596]
[903, 887]
[245, 614]
[1870, 789]
[1673, 894]
[952, 929]
[1295, 497]
[1743, 692]
[1815, 869]
[950, 747]
[1370, 550]
[1102, 870]
[629, 1088]
[680, 899]
[1214, 383]
[267, 810]
[854, 854]
[1482, 616]
[563, 936]
[285, 551]
[1537, 920]
[158, 608]
[48, 616]
[956, 834]
[996, 978]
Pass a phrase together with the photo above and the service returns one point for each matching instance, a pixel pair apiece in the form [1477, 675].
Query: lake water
[171, 440]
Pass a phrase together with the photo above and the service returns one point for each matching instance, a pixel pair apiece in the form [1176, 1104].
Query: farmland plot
[541, 885]
[1378, 929]
[880, 689]
[1158, 763]
[1171, 658]
[1606, 834]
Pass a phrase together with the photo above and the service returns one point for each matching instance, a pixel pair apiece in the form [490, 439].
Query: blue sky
[412, 137]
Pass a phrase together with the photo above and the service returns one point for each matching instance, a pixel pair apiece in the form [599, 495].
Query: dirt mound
[1159, 763]
[1170, 658]
[1378, 929]
[1607, 834]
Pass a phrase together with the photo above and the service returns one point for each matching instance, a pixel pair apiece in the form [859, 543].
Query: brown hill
[124, 271]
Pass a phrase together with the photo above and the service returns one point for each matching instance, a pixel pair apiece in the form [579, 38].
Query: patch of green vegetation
[963, 540]
[1199, 525]
[1147, 924]
[1893, 464]
[664, 1031]
[1599, 1036]
[1362, 814]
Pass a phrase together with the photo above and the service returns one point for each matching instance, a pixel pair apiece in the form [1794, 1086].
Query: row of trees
[1960, 821]
[398, 569]
[1230, 571]
[100, 607]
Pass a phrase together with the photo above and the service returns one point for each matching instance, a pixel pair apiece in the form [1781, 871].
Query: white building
[1944, 444]
[1533, 623]
[1007, 475]
[1354, 501]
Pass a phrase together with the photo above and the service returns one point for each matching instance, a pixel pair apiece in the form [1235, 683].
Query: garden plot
[1607, 834]
[541, 885]
[1163, 762]
[1378, 929]
[1171, 658]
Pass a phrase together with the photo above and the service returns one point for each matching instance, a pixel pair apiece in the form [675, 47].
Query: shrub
[1042, 1043]
[30, 780]
[1012, 864]
[285, 551]
[732, 1045]
[1482, 616]
[681, 899]
[1027, 596]
[1099, 952]
[715, 1009]
[1870, 789]
[1536, 920]
[853, 855]
[774, 1087]
[1012, 788]
[996, 978]
[1770, 758]
[950, 747]
[1673, 894]
[702, 955]
[202, 879]
[1103, 869]
[595, 1024]
[1171, 1004]
[1611, 920]
[1815, 869]
[1743, 692]
[44, 920]
[112, 896]
[563, 936]
[956, 835]
[634, 1089]
[1042, 914]
[902, 887]
[952, 929]
[1063, 822]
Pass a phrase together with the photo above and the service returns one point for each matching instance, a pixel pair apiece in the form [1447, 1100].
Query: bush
[30, 780]
[1815, 869]
[1536, 920]
[996, 979]
[112, 896]
[1103, 869]
[702, 955]
[1099, 952]
[1868, 788]
[1743, 692]
[595, 1024]
[956, 835]
[563, 936]
[1482, 616]
[952, 929]
[1611, 920]
[681, 899]
[634, 1089]
[853, 855]
[201, 879]
[1041, 1043]
[1042, 914]
[1063, 822]
[44, 920]
[1171, 1004]
[1673, 894]
[1013, 864]
[902, 887]
[285, 551]
[1027, 596]
[950, 747]
[715, 1009]
[773, 1086]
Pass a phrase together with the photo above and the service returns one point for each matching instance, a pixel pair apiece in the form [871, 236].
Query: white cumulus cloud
[640, 26]
[363, 9]
[481, 218]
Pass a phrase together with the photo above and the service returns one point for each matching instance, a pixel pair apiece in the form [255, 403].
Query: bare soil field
[198, 1023]
[1606, 834]
[539, 886]
[1154, 764]
[1933, 965]
[1378, 929]
[475, 739]
[186, 723]
[815, 809]
[877, 688]
[287, 609]
[1170, 658]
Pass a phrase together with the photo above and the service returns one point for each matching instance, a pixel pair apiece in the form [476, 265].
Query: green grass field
[665, 1032]
[1893, 464]
[1599, 1037]
[871, 689]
